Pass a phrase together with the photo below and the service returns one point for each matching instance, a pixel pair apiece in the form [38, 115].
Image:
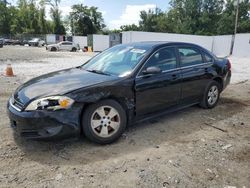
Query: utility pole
[235, 27]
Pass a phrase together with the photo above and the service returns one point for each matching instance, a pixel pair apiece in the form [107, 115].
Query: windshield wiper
[98, 72]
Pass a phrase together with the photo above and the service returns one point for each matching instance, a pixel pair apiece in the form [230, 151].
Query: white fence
[219, 45]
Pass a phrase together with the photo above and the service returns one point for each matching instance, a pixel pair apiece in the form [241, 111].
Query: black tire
[205, 100]
[92, 134]
[73, 49]
[53, 49]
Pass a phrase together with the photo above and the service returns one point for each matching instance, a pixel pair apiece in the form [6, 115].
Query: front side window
[119, 60]
[165, 59]
[190, 56]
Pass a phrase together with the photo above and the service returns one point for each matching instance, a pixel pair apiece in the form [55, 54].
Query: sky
[115, 12]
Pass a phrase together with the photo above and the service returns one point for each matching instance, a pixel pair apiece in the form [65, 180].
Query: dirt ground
[189, 148]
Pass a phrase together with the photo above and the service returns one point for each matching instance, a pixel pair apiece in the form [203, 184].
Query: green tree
[148, 21]
[27, 18]
[244, 17]
[55, 13]
[7, 15]
[210, 16]
[85, 20]
[34, 25]
[131, 27]
[42, 21]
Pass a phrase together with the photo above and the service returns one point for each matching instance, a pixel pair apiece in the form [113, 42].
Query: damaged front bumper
[46, 124]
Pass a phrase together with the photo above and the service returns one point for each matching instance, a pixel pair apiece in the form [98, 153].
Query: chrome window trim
[176, 69]
[190, 66]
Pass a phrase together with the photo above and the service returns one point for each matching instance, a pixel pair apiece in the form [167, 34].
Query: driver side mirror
[152, 70]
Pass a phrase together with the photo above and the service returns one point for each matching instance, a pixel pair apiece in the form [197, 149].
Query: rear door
[195, 73]
[66, 46]
[158, 91]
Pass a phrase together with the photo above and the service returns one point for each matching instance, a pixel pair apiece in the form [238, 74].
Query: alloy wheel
[105, 121]
[213, 95]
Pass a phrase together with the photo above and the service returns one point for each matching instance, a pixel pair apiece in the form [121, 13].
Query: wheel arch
[53, 48]
[220, 81]
[122, 101]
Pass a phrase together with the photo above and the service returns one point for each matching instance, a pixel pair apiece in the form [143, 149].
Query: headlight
[50, 103]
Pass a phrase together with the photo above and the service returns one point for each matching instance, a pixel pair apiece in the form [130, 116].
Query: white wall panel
[219, 45]
[222, 45]
[81, 40]
[50, 38]
[134, 36]
[242, 45]
[100, 42]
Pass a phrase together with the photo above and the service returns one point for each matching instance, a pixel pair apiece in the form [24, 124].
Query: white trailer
[50, 39]
[98, 42]
[137, 36]
[81, 40]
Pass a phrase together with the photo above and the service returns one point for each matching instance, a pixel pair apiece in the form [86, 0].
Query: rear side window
[208, 58]
[164, 58]
[66, 43]
[190, 56]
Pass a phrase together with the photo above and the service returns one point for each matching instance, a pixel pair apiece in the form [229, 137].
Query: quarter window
[190, 56]
[208, 58]
[165, 59]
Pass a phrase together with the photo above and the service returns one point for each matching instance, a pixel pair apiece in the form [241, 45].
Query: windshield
[35, 39]
[119, 60]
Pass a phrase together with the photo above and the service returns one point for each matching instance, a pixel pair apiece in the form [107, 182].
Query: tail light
[229, 65]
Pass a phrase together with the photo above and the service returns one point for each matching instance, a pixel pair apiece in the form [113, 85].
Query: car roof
[159, 44]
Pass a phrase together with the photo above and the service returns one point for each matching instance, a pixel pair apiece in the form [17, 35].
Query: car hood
[59, 83]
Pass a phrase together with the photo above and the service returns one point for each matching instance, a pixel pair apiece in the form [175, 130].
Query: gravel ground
[190, 148]
[29, 62]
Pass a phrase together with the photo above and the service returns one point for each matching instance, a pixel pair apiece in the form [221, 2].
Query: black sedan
[120, 86]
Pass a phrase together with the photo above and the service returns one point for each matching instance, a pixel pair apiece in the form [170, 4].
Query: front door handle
[206, 69]
[174, 77]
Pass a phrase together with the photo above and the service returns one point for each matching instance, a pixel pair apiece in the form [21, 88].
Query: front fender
[122, 93]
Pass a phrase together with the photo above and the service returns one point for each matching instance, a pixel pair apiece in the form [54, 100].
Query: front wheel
[211, 95]
[104, 122]
[73, 50]
[53, 49]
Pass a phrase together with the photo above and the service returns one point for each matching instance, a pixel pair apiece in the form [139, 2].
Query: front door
[158, 91]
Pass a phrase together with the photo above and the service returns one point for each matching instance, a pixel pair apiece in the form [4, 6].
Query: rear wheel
[104, 122]
[211, 95]
[53, 49]
[73, 49]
